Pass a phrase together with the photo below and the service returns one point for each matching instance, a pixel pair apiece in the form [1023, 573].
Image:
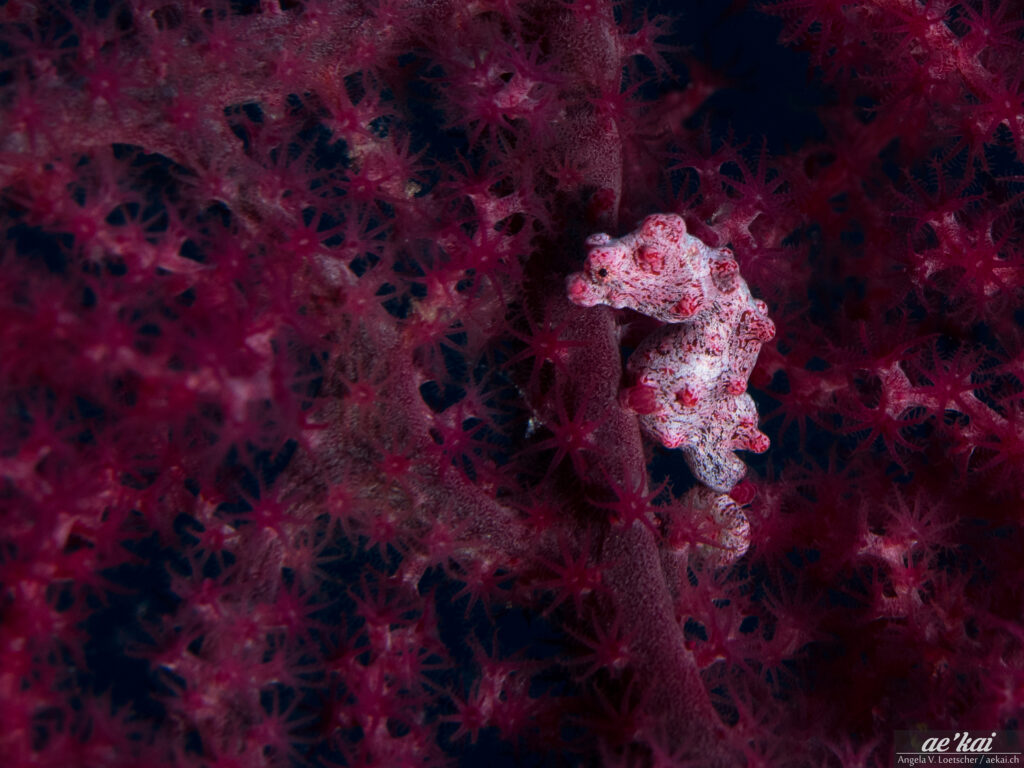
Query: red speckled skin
[689, 378]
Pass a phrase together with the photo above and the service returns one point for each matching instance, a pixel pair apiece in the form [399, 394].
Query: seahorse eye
[602, 272]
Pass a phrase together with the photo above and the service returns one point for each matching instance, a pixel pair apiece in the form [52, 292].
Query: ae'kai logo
[913, 748]
[961, 743]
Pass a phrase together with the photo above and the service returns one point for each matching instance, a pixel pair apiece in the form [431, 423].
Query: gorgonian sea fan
[307, 458]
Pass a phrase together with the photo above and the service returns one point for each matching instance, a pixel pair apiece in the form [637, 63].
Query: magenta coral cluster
[307, 459]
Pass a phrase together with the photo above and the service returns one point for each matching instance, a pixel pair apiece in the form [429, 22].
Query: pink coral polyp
[688, 378]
